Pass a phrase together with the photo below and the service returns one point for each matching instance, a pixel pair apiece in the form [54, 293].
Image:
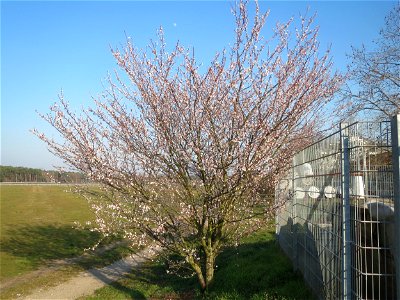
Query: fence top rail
[337, 132]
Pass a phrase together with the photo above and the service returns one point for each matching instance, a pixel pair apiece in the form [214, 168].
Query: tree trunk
[199, 273]
[208, 270]
[202, 282]
[210, 260]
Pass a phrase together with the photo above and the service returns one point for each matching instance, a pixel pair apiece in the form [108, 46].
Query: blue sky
[49, 46]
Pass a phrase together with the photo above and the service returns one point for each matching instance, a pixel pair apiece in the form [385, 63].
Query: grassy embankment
[257, 269]
[37, 228]
[37, 232]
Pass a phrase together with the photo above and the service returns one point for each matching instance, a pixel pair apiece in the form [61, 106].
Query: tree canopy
[186, 157]
[376, 73]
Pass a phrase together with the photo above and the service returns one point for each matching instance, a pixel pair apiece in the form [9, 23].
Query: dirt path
[85, 283]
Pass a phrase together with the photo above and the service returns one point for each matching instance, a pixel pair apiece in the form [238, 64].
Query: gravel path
[85, 283]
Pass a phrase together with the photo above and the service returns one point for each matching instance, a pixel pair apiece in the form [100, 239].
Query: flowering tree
[184, 157]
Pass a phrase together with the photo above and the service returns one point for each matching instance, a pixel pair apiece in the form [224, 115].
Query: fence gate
[339, 212]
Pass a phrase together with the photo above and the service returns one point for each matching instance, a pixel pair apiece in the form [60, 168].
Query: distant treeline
[21, 174]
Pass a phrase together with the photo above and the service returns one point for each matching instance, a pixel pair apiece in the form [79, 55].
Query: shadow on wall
[303, 253]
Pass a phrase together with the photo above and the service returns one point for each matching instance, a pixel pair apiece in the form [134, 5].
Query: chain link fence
[339, 204]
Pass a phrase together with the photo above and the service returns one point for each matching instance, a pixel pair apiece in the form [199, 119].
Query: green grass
[37, 225]
[257, 269]
[37, 229]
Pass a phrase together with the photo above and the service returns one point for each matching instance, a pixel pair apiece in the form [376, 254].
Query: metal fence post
[395, 128]
[346, 233]
[294, 220]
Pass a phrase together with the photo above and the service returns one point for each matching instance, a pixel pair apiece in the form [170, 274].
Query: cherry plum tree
[184, 154]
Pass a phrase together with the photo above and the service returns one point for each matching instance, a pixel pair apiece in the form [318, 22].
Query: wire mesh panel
[372, 211]
[312, 217]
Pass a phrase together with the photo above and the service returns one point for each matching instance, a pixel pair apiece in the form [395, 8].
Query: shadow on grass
[257, 269]
[150, 281]
[39, 244]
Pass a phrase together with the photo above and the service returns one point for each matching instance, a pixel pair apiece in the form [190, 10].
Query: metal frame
[345, 168]
[340, 222]
[396, 192]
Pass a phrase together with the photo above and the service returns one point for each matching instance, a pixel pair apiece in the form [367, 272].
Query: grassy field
[37, 225]
[37, 229]
[257, 269]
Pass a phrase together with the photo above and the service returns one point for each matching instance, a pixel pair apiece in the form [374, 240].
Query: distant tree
[20, 174]
[377, 73]
[183, 155]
